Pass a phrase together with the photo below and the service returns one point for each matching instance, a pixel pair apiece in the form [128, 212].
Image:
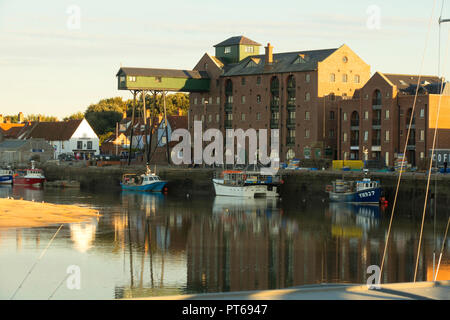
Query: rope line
[406, 143]
[442, 250]
[36, 262]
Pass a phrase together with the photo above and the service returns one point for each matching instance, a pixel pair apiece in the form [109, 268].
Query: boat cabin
[366, 184]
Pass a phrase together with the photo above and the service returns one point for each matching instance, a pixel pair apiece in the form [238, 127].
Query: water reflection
[151, 244]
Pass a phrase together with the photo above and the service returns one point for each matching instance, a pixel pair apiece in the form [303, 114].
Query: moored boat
[365, 191]
[249, 184]
[6, 176]
[148, 182]
[29, 177]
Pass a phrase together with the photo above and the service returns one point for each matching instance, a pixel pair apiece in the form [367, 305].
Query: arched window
[376, 98]
[291, 91]
[275, 91]
[354, 119]
[332, 77]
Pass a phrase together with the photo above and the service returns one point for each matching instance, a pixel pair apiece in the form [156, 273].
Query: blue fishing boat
[6, 176]
[148, 182]
[364, 191]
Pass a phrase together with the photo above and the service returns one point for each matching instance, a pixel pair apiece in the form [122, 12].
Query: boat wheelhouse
[6, 176]
[148, 181]
[365, 191]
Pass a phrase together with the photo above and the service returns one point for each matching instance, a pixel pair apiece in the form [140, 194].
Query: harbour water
[153, 245]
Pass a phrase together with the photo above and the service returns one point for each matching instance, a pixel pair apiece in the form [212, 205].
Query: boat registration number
[366, 194]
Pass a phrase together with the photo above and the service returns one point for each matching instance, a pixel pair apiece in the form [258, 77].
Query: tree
[173, 103]
[102, 116]
[75, 116]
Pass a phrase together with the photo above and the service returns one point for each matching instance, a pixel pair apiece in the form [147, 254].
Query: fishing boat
[29, 177]
[249, 184]
[148, 181]
[365, 191]
[6, 176]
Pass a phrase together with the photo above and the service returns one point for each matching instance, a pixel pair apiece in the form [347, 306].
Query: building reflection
[83, 234]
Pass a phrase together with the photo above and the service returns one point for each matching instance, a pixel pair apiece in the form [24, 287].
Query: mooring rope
[430, 166]
[442, 250]
[36, 262]
[406, 143]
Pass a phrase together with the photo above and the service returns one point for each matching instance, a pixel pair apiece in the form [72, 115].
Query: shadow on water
[154, 244]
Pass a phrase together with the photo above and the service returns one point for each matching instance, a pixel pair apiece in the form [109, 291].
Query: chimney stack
[269, 54]
[180, 111]
[20, 117]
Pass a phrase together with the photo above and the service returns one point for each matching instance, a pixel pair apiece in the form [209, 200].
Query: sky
[58, 57]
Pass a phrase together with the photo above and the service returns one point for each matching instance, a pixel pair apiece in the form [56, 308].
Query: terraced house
[295, 92]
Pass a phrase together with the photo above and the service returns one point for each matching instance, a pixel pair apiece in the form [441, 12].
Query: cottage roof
[51, 131]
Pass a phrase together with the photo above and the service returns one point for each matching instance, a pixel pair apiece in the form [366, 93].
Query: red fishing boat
[29, 177]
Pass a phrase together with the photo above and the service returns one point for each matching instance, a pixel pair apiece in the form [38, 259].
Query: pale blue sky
[48, 68]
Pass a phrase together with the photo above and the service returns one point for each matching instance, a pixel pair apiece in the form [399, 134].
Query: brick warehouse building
[378, 116]
[296, 92]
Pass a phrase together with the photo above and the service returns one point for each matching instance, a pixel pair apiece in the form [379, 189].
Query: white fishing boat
[236, 183]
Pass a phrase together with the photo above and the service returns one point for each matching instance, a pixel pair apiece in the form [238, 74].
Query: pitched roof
[13, 132]
[177, 122]
[172, 73]
[51, 131]
[407, 84]
[239, 40]
[282, 62]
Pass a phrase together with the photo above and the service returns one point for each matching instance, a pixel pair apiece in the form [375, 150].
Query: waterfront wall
[300, 185]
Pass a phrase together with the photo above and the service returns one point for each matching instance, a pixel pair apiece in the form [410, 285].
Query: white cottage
[72, 136]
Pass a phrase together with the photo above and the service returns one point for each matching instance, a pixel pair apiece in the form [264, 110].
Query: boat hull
[151, 187]
[6, 179]
[367, 196]
[23, 181]
[247, 191]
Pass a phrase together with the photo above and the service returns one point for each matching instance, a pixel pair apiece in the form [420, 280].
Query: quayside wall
[298, 184]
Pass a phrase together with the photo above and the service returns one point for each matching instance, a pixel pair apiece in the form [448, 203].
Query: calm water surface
[152, 245]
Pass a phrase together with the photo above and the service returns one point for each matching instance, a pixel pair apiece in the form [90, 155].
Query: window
[243, 116]
[89, 145]
[345, 116]
[79, 145]
[331, 115]
[386, 135]
[249, 49]
[209, 117]
[243, 81]
[366, 135]
[203, 100]
[163, 140]
[307, 77]
[332, 77]
[366, 97]
[422, 135]
[357, 78]
[306, 133]
[258, 98]
[345, 136]
[366, 115]
[132, 79]
[258, 116]
[242, 99]
[218, 100]
[386, 113]
[122, 78]
[205, 66]
[331, 133]
[307, 96]
[210, 100]
[258, 80]
[307, 115]
[422, 113]
[376, 98]
[344, 77]
[217, 118]
[227, 50]
[386, 158]
[203, 118]
[422, 155]
[344, 59]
